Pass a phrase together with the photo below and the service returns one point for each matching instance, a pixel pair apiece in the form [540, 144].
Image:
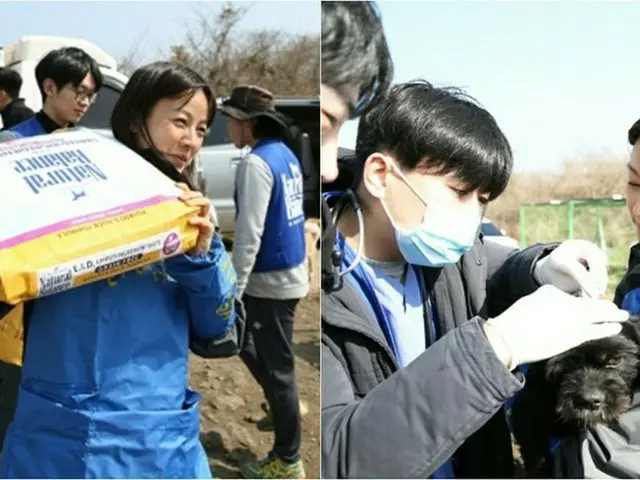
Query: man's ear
[49, 87]
[375, 174]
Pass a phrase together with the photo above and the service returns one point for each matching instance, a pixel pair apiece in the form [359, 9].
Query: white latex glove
[566, 268]
[549, 322]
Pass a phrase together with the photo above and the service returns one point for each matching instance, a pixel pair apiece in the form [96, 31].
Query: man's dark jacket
[379, 421]
[14, 113]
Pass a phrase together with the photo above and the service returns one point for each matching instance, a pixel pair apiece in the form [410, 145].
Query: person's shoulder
[254, 159]
[627, 292]
[23, 109]
[26, 128]
[347, 306]
[18, 128]
[254, 167]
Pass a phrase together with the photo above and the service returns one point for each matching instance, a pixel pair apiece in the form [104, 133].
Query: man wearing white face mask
[420, 344]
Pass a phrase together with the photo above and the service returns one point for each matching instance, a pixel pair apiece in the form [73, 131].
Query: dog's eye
[614, 362]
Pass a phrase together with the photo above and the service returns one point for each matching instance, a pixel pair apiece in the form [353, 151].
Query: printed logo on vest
[294, 194]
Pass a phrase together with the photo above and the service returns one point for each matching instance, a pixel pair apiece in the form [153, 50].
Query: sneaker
[272, 467]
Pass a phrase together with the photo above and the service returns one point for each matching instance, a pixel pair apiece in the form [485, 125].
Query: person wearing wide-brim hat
[248, 102]
[269, 254]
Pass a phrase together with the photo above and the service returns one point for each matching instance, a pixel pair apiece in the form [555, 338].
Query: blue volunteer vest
[28, 128]
[283, 245]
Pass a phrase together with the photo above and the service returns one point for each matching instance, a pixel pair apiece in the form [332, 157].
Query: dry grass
[595, 177]
[590, 178]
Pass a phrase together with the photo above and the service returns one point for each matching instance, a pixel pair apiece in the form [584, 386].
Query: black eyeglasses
[82, 94]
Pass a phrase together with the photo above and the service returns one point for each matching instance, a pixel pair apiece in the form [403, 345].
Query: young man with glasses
[69, 80]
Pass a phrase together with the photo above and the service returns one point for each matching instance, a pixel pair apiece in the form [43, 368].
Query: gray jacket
[382, 421]
[603, 452]
[254, 186]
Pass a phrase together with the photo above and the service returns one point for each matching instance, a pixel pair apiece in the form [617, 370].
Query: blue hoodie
[104, 388]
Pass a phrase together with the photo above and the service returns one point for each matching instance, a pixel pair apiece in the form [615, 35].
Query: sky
[561, 78]
[118, 27]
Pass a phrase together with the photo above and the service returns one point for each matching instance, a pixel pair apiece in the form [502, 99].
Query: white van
[24, 54]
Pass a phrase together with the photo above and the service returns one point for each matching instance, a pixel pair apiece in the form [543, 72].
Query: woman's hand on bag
[202, 220]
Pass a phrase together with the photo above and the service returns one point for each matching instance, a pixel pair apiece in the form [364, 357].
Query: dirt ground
[231, 403]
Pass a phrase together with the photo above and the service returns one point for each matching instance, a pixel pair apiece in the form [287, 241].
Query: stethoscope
[337, 255]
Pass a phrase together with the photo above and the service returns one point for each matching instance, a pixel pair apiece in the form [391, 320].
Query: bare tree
[285, 63]
[215, 46]
[131, 60]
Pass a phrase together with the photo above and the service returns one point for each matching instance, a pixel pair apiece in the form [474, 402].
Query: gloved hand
[575, 266]
[549, 322]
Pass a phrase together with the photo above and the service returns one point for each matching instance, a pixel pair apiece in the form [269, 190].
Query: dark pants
[9, 385]
[268, 353]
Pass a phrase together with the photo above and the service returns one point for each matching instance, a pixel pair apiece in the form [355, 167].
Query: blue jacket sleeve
[209, 281]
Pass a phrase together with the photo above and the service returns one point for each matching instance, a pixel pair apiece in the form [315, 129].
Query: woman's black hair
[425, 127]
[148, 85]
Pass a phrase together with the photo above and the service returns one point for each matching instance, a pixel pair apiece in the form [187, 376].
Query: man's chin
[77, 117]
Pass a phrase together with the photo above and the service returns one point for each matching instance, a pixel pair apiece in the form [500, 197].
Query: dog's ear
[631, 328]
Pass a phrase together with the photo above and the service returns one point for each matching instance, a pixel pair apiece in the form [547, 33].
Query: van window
[99, 114]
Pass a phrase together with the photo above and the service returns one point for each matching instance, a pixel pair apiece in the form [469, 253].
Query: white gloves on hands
[565, 268]
[549, 322]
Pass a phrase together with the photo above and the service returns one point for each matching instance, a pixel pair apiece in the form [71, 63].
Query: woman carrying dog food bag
[104, 390]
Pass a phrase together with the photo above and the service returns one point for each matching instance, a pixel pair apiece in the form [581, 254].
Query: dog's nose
[594, 398]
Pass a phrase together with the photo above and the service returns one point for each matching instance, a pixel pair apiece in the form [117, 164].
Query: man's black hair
[355, 54]
[10, 82]
[426, 127]
[634, 132]
[67, 65]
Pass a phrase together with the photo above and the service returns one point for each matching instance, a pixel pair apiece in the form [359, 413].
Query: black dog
[588, 385]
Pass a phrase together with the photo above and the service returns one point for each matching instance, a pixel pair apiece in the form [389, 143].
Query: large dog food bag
[78, 207]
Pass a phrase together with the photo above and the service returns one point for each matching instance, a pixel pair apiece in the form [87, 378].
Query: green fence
[603, 221]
